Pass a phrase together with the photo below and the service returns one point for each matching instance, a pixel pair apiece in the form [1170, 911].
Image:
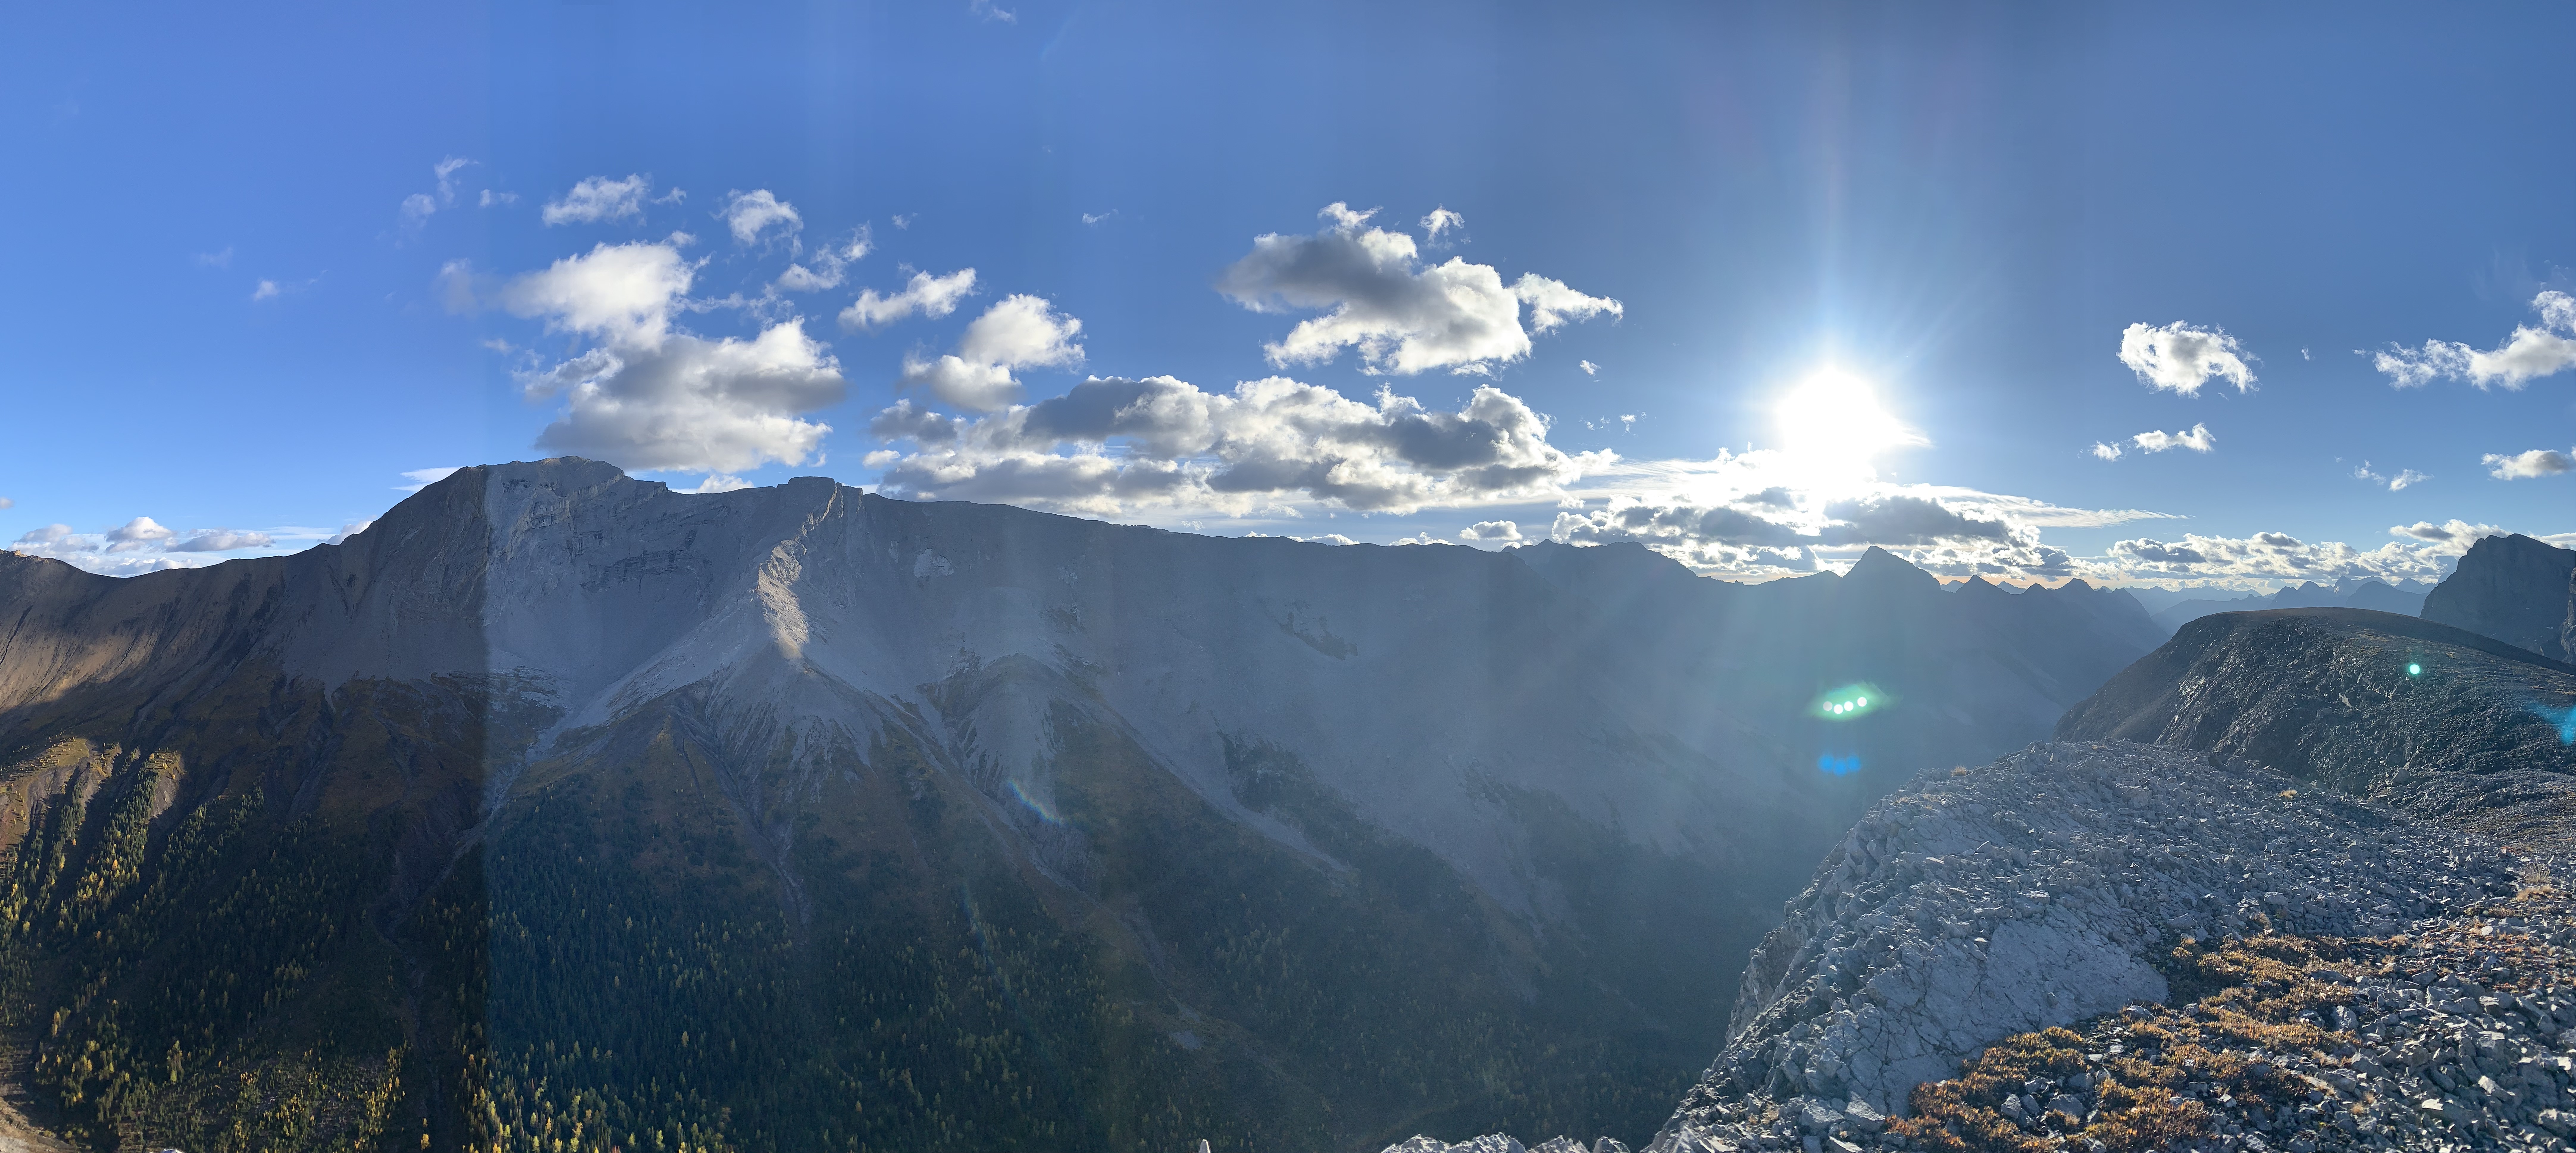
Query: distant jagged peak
[1881, 571]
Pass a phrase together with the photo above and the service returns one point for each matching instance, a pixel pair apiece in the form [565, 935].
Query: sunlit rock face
[1091, 834]
[2513, 588]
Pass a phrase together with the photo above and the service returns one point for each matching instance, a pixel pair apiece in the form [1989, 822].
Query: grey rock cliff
[2512, 588]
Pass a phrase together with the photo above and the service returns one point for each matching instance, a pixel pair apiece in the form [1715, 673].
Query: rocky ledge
[2044, 890]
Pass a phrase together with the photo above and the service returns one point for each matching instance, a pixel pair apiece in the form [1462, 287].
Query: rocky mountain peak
[2516, 589]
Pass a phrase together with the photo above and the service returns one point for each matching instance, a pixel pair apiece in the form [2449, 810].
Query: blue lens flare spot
[2414, 670]
[1837, 766]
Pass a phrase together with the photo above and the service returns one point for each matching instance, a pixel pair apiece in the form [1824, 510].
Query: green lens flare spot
[1849, 702]
[2414, 670]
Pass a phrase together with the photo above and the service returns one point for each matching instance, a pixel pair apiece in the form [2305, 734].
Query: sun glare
[1833, 423]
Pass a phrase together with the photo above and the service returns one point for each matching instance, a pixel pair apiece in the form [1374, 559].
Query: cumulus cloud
[646, 395]
[1491, 530]
[1589, 368]
[265, 290]
[2538, 462]
[1113, 445]
[926, 295]
[750, 214]
[1403, 318]
[1018, 332]
[2424, 552]
[1441, 220]
[719, 482]
[2102, 451]
[2181, 358]
[2455, 532]
[599, 198]
[1778, 519]
[2197, 440]
[831, 264]
[491, 199]
[138, 546]
[2530, 353]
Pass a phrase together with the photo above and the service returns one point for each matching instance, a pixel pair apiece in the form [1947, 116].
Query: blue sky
[245, 300]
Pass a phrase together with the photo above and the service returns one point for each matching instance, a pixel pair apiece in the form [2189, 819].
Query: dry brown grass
[2243, 996]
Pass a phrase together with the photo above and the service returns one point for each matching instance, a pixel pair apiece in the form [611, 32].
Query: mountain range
[560, 810]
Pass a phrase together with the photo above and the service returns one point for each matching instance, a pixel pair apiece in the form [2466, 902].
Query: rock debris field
[2111, 947]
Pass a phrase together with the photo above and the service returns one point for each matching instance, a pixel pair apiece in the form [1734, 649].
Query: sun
[1833, 425]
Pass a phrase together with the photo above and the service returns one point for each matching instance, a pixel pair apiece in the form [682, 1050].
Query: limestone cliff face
[2512, 588]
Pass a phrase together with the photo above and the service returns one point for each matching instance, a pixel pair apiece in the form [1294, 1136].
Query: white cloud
[2538, 462]
[140, 533]
[1491, 530]
[219, 540]
[650, 397]
[2197, 440]
[831, 264]
[1113, 445]
[1589, 368]
[599, 198]
[903, 221]
[266, 290]
[620, 293]
[138, 546]
[491, 199]
[930, 296]
[422, 478]
[2530, 353]
[987, 12]
[1096, 219]
[2405, 479]
[6, 503]
[2279, 556]
[749, 214]
[1017, 332]
[2103, 451]
[2456, 534]
[2182, 358]
[446, 171]
[1403, 319]
[223, 259]
[348, 530]
[719, 482]
[1442, 220]
[416, 210]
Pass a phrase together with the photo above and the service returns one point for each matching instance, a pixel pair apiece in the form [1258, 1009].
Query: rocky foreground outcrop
[2042, 890]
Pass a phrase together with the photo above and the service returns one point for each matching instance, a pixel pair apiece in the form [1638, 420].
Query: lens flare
[1848, 702]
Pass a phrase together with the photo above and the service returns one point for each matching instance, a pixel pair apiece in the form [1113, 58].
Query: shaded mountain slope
[1963, 673]
[2479, 737]
[796, 818]
[2512, 588]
